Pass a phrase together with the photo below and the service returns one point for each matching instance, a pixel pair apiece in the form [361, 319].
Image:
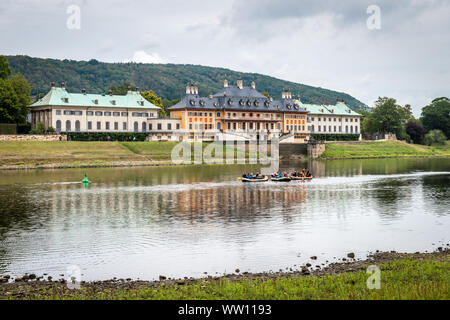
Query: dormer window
[66, 100]
[241, 102]
[192, 102]
[113, 102]
[296, 106]
[267, 104]
[288, 106]
[96, 101]
[216, 104]
[141, 103]
[249, 103]
[256, 103]
[230, 102]
[202, 103]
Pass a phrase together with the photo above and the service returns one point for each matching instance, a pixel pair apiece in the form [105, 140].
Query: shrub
[435, 137]
[416, 131]
[40, 129]
[103, 136]
[335, 137]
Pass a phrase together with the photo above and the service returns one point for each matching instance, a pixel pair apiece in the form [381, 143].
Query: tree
[416, 131]
[151, 97]
[123, 88]
[5, 70]
[437, 115]
[387, 117]
[265, 93]
[14, 95]
[435, 137]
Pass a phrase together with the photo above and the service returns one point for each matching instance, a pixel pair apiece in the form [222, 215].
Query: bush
[335, 137]
[40, 129]
[8, 128]
[103, 136]
[416, 131]
[435, 137]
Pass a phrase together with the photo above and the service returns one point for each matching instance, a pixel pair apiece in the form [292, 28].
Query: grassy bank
[55, 154]
[382, 149]
[403, 276]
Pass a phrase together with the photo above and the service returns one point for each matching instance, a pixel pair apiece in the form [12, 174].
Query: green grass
[75, 154]
[382, 149]
[417, 278]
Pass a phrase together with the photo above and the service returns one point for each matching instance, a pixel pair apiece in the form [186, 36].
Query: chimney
[253, 85]
[110, 92]
[225, 83]
[63, 85]
[188, 89]
[83, 91]
[53, 85]
[240, 84]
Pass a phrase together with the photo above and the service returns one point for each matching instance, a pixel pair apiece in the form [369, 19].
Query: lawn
[407, 278]
[382, 149]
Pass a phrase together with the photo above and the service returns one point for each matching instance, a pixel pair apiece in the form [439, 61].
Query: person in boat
[294, 174]
[244, 175]
[308, 174]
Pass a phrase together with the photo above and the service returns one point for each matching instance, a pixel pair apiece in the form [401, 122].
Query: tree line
[433, 126]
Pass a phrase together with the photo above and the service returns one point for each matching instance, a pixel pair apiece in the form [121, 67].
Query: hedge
[8, 128]
[103, 136]
[335, 137]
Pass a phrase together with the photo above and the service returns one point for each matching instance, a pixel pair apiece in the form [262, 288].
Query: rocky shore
[31, 284]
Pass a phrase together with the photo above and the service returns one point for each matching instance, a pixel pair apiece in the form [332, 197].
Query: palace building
[82, 112]
[237, 113]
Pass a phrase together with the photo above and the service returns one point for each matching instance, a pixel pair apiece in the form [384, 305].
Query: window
[144, 127]
[178, 126]
[135, 114]
[136, 127]
[98, 113]
[58, 126]
[324, 128]
[116, 126]
[356, 129]
[99, 125]
[78, 113]
[77, 126]
[219, 125]
[318, 119]
[169, 126]
[346, 129]
[124, 114]
[116, 114]
[145, 114]
[124, 126]
[329, 128]
[190, 126]
[318, 128]
[68, 129]
[150, 127]
[89, 113]
[107, 125]
[67, 112]
[218, 114]
[312, 128]
[334, 128]
[89, 125]
[356, 120]
[58, 112]
[159, 126]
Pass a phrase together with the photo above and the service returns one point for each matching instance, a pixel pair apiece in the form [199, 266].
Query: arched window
[218, 125]
[356, 129]
[68, 126]
[77, 126]
[136, 127]
[346, 129]
[144, 127]
[58, 126]
[351, 129]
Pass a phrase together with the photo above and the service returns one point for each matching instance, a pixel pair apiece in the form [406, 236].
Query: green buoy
[85, 180]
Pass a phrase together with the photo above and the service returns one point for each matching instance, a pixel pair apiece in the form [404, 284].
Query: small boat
[265, 178]
[281, 179]
[301, 178]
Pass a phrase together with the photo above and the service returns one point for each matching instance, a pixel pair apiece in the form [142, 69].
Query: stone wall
[32, 137]
[292, 150]
[315, 150]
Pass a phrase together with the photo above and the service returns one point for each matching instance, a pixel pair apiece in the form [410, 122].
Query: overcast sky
[320, 43]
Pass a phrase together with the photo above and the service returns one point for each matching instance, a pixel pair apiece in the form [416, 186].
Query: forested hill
[166, 80]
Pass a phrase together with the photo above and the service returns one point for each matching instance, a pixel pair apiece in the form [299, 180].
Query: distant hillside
[166, 80]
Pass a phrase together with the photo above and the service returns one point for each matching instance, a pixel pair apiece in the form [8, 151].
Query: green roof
[61, 98]
[340, 108]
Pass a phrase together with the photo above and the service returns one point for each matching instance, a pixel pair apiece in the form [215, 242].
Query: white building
[82, 112]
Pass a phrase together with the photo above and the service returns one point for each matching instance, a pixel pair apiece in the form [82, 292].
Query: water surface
[184, 221]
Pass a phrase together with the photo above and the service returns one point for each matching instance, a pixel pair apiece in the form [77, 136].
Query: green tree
[5, 70]
[9, 102]
[435, 137]
[265, 93]
[437, 115]
[23, 91]
[387, 117]
[151, 97]
[123, 88]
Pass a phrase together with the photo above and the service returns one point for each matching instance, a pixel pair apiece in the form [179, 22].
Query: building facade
[332, 119]
[82, 112]
[240, 113]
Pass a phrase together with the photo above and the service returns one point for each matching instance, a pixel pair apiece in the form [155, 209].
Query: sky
[393, 48]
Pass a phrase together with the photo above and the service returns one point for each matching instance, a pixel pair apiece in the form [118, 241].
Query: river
[190, 221]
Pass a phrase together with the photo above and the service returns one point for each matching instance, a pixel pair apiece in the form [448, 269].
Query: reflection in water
[142, 222]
